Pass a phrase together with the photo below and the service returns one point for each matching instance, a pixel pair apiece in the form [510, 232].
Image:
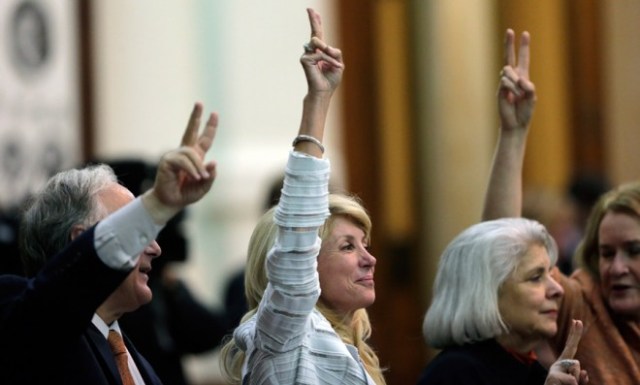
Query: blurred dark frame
[85, 63]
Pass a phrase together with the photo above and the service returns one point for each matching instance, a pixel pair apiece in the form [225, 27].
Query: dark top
[46, 334]
[482, 363]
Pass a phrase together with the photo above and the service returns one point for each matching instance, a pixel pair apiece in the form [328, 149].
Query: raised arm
[303, 206]
[516, 102]
[323, 69]
[182, 178]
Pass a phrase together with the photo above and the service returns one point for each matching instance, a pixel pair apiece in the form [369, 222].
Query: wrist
[310, 139]
[323, 97]
[518, 132]
[158, 211]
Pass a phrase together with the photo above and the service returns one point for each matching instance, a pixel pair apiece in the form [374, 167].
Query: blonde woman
[309, 273]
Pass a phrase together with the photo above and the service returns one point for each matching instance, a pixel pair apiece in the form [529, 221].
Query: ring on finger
[308, 48]
[566, 364]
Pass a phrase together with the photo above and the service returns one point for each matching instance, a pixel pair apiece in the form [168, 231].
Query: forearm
[516, 102]
[160, 213]
[291, 265]
[315, 108]
[504, 191]
[304, 201]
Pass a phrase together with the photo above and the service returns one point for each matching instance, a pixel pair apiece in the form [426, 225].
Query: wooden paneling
[585, 86]
[379, 157]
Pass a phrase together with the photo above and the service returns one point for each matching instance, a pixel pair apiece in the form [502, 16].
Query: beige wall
[155, 59]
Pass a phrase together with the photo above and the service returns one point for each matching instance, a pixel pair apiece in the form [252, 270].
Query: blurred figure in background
[565, 214]
[9, 251]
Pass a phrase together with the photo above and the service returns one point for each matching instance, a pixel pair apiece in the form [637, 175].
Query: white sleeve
[294, 288]
[122, 236]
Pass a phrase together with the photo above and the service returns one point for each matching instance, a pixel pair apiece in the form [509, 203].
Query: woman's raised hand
[322, 63]
[566, 370]
[516, 93]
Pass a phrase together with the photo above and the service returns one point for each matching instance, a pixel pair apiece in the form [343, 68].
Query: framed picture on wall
[40, 103]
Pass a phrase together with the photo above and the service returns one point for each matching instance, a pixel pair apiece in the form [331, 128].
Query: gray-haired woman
[494, 300]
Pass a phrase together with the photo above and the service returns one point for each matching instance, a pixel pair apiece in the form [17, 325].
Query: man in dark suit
[54, 323]
[175, 324]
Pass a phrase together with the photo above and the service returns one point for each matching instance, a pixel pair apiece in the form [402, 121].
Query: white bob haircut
[472, 269]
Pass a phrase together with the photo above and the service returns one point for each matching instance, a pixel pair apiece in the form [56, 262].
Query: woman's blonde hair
[354, 329]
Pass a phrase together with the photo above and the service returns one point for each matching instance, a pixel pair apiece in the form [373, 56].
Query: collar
[526, 358]
[103, 327]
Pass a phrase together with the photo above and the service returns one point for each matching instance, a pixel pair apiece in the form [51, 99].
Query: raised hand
[322, 63]
[516, 93]
[183, 177]
[566, 370]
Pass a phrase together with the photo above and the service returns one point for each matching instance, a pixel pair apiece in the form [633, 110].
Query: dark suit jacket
[46, 334]
[482, 363]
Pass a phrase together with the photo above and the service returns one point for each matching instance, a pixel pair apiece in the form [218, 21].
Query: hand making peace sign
[516, 93]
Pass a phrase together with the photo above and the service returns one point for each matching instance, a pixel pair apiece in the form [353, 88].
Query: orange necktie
[120, 353]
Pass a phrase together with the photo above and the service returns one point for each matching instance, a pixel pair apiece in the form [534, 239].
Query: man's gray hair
[68, 199]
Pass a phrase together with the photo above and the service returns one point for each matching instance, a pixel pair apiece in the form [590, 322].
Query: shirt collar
[103, 327]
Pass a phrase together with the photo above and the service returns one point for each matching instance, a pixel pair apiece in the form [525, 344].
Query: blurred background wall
[411, 132]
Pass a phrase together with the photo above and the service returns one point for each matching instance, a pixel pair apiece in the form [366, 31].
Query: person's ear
[76, 230]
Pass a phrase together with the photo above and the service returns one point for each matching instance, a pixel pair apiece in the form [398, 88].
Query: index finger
[523, 55]
[509, 54]
[575, 334]
[190, 135]
[316, 24]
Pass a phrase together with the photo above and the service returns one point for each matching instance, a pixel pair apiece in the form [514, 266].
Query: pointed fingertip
[211, 167]
[197, 108]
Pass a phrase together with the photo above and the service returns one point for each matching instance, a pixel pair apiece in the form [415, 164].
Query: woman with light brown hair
[309, 274]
